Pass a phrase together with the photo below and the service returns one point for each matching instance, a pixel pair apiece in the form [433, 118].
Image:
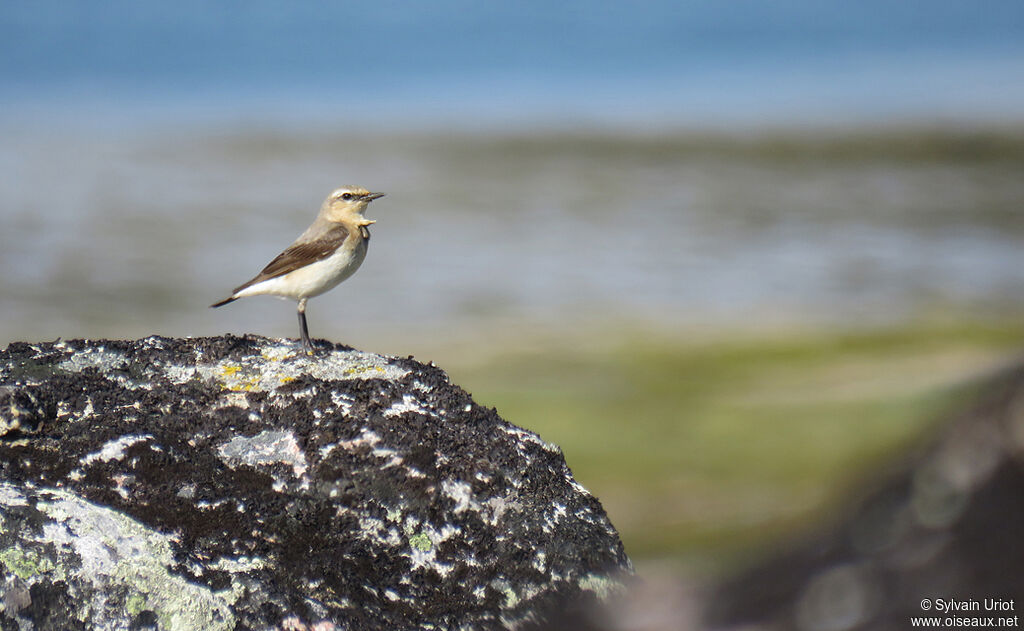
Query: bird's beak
[369, 197]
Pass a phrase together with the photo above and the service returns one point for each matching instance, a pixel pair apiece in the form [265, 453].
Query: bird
[327, 253]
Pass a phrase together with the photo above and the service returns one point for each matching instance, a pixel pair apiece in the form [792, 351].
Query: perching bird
[328, 252]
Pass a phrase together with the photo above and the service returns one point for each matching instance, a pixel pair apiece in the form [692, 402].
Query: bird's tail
[223, 302]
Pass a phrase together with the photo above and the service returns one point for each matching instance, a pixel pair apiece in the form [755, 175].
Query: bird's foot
[307, 348]
[316, 348]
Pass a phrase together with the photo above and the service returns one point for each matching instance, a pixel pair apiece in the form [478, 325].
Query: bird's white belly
[315, 278]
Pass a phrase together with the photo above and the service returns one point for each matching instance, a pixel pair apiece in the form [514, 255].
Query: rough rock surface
[948, 523]
[234, 483]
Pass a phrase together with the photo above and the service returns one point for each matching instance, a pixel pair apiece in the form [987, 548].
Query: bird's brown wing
[300, 255]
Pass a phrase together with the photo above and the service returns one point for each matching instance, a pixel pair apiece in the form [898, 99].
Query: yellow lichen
[360, 370]
[276, 354]
[243, 385]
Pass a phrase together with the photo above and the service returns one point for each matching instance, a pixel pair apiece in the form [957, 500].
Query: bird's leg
[303, 330]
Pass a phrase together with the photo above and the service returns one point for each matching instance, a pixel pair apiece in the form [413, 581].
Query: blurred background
[731, 256]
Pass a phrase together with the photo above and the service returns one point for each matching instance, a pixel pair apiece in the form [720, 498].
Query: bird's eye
[346, 196]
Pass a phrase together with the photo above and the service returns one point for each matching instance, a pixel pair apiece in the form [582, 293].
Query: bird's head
[348, 203]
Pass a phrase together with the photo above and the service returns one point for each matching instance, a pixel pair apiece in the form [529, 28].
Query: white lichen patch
[338, 365]
[552, 519]
[367, 437]
[178, 374]
[497, 506]
[122, 483]
[266, 448]
[540, 561]
[97, 357]
[460, 493]
[9, 496]
[490, 510]
[576, 486]
[343, 401]
[114, 449]
[602, 586]
[236, 565]
[378, 531]
[110, 548]
[111, 364]
[524, 436]
[278, 353]
[423, 555]
[305, 393]
[407, 404]
[279, 363]
[208, 505]
[390, 455]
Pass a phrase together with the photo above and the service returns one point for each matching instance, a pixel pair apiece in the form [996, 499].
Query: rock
[945, 523]
[234, 483]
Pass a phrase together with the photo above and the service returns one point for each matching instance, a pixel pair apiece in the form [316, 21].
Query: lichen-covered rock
[235, 483]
